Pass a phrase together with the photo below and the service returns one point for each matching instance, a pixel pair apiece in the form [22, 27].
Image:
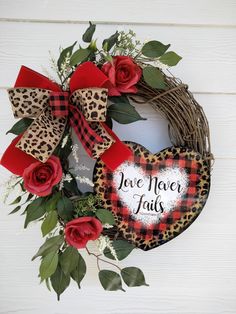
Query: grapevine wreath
[140, 200]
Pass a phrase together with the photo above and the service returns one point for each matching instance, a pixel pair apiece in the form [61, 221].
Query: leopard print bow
[84, 108]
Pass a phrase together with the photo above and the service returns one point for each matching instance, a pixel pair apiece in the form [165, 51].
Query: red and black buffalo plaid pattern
[59, 102]
[88, 137]
[182, 206]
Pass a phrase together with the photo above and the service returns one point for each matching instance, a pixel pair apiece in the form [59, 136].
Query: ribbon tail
[117, 153]
[15, 160]
[91, 135]
[99, 140]
[42, 136]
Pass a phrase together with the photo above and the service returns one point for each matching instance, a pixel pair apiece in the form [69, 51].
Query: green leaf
[50, 245]
[59, 281]
[79, 56]
[79, 272]
[66, 150]
[64, 53]
[170, 58]
[119, 99]
[16, 201]
[15, 210]
[133, 277]
[123, 113]
[49, 222]
[65, 208]
[30, 196]
[69, 259]
[122, 248]
[34, 210]
[51, 203]
[154, 49]
[48, 265]
[105, 216]
[47, 282]
[109, 122]
[22, 186]
[154, 77]
[88, 35]
[72, 185]
[110, 280]
[93, 48]
[108, 43]
[20, 126]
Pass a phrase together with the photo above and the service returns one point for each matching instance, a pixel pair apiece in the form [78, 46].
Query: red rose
[79, 231]
[39, 178]
[123, 73]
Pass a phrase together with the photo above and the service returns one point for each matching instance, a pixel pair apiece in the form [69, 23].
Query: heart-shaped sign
[154, 197]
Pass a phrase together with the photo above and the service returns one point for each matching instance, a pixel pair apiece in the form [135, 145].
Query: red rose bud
[123, 74]
[79, 231]
[40, 178]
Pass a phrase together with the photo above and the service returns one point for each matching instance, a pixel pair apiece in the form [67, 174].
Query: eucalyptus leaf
[67, 51]
[105, 216]
[133, 277]
[79, 272]
[110, 42]
[65, 208]
[48, 265]
[123, 113]
[60, 281]
[49, 222]
[88, 35]
[154, 77]
[110, 280]
[122, 248]
[79, 56]
[20, 126]
[69, 259]
[170, 58]
[50, 245]
[154, 49]
[35, 210]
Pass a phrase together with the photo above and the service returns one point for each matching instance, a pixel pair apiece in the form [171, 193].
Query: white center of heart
[150, 197]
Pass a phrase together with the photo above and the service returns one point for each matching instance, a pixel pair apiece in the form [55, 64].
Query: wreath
[139, 199]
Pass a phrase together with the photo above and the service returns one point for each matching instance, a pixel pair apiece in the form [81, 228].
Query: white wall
[194, 273]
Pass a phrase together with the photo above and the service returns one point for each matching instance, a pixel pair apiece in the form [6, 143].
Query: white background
[194, 273]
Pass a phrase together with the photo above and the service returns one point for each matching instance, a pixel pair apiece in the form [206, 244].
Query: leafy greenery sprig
[150, 56]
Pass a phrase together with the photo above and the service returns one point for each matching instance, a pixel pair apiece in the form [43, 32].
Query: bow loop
[28, 102]
[43, 135]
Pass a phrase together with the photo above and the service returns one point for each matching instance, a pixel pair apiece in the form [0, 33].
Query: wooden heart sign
[154, 197]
